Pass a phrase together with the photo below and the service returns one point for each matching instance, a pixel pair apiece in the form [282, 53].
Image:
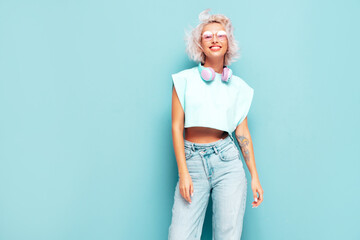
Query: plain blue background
[85, 126]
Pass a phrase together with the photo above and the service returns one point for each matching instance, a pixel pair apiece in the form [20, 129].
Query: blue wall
[85, 126]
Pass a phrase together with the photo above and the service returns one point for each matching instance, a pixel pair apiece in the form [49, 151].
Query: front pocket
[229, 153]
[188, 153]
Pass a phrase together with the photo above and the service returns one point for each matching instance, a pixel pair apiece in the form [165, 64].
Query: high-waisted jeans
[215, 168]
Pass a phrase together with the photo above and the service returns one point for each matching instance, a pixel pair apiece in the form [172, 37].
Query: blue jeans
[215, 168]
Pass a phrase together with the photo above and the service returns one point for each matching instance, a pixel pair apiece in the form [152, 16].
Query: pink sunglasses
[208, 36]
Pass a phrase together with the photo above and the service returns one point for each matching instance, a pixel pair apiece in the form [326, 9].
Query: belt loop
[215, 149]
[231, 137]
[193, 147]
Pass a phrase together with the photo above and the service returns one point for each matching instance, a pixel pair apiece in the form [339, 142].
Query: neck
[214, 64]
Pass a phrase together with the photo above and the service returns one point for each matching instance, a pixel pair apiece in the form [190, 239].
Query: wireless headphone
[208, 74]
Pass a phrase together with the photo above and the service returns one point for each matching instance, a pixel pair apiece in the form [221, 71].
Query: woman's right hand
[186, 186]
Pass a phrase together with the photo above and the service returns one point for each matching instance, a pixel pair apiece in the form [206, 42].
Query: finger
[259, 201]
[256, 201]
[182, 193]
[187, 194]
[192, 189]
[261, 197]
[255, 195]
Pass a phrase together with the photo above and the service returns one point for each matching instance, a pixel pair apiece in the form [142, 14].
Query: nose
[214, 39]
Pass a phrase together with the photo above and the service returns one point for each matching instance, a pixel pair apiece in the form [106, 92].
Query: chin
[216, 54]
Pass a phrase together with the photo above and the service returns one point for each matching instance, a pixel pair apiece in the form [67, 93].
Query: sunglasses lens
[207, 35]
[221, 35]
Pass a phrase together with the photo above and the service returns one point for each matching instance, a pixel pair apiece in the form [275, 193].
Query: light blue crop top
[215, 104]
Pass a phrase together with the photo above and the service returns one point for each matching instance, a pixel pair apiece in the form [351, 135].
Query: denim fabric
[216, 169]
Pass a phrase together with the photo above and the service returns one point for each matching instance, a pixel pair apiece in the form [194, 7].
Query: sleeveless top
[215, 104]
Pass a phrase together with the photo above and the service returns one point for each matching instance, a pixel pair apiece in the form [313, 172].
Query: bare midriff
[204, 134]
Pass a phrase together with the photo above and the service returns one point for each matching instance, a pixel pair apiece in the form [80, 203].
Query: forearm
[247, 150]
[178, 143]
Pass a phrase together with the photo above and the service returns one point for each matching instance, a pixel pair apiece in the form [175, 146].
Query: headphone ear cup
[208, 74]
[230, 74]
[226, 74]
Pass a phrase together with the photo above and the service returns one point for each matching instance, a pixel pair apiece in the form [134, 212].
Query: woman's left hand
[256, 188]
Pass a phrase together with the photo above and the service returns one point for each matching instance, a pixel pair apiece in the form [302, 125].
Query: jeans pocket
[188, 153]
[229, 153]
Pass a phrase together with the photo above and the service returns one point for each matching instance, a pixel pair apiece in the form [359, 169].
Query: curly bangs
[193, 38]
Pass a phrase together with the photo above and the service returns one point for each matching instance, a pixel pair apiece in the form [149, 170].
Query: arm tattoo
[244, 142]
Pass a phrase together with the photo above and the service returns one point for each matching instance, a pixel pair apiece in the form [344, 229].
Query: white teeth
[215, 47]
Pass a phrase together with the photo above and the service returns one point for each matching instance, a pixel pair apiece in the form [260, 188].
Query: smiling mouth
[215, 48]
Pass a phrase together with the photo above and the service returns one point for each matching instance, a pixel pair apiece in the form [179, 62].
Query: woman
[210, 103]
